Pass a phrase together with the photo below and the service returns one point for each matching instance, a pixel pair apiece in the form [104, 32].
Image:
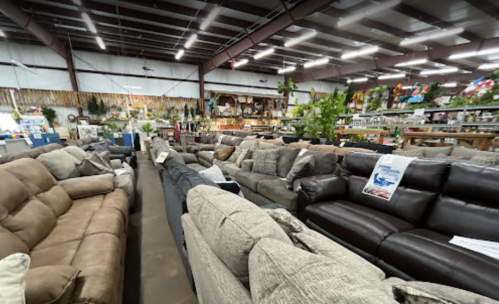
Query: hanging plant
[288, 87]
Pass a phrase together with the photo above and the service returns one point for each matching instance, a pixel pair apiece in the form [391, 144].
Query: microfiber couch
[206, 154]
[159, 145]
[243, 254]
[408, 236]
[75, 234]
[30, 153]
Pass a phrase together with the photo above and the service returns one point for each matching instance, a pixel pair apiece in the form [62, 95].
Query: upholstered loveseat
[408, 236]
[75, 234]
[206, 154]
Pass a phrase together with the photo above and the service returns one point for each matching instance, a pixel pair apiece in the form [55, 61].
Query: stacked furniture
[123, 153]
[159, 145]
[233, 245]
[75, 234]
[408, 236]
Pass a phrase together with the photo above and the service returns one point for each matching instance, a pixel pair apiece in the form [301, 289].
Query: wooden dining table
[483, 140]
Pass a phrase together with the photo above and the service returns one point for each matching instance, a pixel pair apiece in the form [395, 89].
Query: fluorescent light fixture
[240, 63]
[300, 39]
[133, 87]
[358, 80]
[264, 53]
[441, 71]
[210, 18]
[179, 54]
[488, 66]
[100, 43]
[286, 70]
[472, 54]
[391, 76]
[77, 2]
[22, 66]
[412, 62]
[358, 53]
[376, 9]
[315, 63]
[89, 22]
[443, 33]
[191, 40]
[406, 88]
[76, 28]
[2, 33]
[449, 85]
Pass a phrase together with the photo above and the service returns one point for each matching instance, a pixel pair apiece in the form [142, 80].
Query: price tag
[37, 136]
[28, 141]
[487, 114]
[162, 157]
[356, 116]
[419, 112]
[2, 142]
[342, 144]
[303, 151]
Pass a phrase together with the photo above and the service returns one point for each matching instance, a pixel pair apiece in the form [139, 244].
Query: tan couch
[75, 236]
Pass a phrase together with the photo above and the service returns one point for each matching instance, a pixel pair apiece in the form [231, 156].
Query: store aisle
[154, 270]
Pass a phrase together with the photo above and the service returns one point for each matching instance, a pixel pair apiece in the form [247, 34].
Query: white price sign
[37, 136]
[419, 112]
[2, 142]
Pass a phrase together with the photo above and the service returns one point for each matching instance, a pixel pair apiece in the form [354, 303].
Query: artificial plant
[350, 91]
[147, 128]
[299, 129]
[93, 106]
[325, 114]
[49, 114]
[431, 94]
[288, 87]
[192, 112]
[186, 112]
[312, 95]
[198, 109]
[375, 101]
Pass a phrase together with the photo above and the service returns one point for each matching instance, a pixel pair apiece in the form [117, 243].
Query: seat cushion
[358, 225]
[232, 169]
[251, 179]
[428, 256]
[276, 191]
[207, 156]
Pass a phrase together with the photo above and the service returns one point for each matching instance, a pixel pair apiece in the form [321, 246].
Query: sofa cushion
[225, 153]
[233, 157]
[264, 145]
[424, 292]
[410, 153]
[214, 174]
[300, 145]
[491, 161]
[341, 152]
[231, 225]
[358, 225]
[469, 153]
[244, 155]
[301, 168]
[430, 152]
[61, 164]
[323, 148]
[189, 158]
[325, 163]
[265, 161]
[282, 273]
[13, 271]
[89, 168]
[88, 188]
[251, 179]
[276, 191]
[286, 160]
[232, 169]
[220, 163]
[50, 284]
[428, 256]
[207, 156]
[75, 152]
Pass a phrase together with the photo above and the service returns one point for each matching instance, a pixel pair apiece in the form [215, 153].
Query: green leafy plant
[192, 112]
[287, 87]
[431, 94]
[49, 114]
[186, 112]
[458, 101]
[198, 109]
[312, 95]
[299, 129]
[105, 131]
[376, 95]
[325, 114]
[147, 128]
[102, 108]
[350, 91]
[93, 106]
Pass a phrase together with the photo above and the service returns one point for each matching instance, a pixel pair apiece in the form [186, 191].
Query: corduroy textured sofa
[75, 235]
[240, 253]
[409, 235]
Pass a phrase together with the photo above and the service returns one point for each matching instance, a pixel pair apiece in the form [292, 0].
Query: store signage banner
[386, 176]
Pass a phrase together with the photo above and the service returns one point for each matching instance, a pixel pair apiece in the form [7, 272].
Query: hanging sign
[386, 176]
[37, 136]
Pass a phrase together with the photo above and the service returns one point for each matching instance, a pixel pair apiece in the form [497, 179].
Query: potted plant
[49, 114]
[322, 119]
[147, 128]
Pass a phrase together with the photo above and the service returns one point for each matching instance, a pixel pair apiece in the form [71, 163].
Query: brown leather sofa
[75, 235]
[408, 236]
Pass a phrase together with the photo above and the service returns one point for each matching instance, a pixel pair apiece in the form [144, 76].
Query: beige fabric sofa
[206, 154]
[80, 228]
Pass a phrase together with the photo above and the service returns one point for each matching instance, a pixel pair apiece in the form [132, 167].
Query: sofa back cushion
[468, 205]
[466, 153]
[325, 163]
[323, 148]
[264, 145]
[418, 190]
[60, 163]
[31, 200]
[430, 152]
[232, 140]
[76, 152]
[286, 160]
[378, 148]
[231, 225]
[300, 145]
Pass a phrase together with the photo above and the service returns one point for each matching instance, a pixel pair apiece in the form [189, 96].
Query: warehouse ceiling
[161, 29]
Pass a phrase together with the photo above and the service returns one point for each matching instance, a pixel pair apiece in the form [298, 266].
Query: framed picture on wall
[83, 120]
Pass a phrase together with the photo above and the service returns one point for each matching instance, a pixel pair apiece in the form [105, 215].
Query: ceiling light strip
[316, 63]
[263, 54]
[488, 66]
[180, 53]
[437, 35]
[133, 87]
[100, 43]
[449, 85]
[213, 14]
[391, 76]
[240, 63]
[472, 54]
[440, 71]
[191, 40]
[300, 39]
[88, 21]
[358, 53]
[286, 70]
[412, 62]
[375, 10]
[365, 79]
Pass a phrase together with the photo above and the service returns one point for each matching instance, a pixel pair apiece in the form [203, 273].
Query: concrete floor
[154, 272]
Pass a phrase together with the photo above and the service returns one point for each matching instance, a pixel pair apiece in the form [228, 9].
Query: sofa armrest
[88, 188]
[314, 191]
[127, 151]
[116, 164]
[206, 147]
[247, 165]
[297, 182]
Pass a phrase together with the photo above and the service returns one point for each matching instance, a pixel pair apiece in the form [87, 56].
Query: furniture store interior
[249, 151]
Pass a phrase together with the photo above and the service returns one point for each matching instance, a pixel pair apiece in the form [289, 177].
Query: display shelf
[421, 125]
[488, 124]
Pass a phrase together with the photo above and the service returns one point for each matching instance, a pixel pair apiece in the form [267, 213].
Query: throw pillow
[302, 168]
[76, 152]
[280, 139]
[486, 160]
[242, 156]
[287, 221]
[13, 269]
[50, 284]
[235, 155]
[265, 161]
[89, 167]
[431, 293]
[99, 158]
[214, 173]
[61, 164]
[225, 153]
[413, 153]
[450, 157]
